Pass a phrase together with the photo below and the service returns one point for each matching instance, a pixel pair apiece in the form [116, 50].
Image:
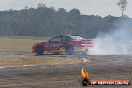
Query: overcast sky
[89, 7]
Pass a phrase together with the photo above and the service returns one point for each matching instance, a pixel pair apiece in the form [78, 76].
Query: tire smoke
[116, 42]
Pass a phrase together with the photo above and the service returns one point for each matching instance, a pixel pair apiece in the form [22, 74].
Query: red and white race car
[63, 44]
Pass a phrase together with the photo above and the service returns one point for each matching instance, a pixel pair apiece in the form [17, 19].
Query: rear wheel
[85, 52]
[69, 50]
[39, 50]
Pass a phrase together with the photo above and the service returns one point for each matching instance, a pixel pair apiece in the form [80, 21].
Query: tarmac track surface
[67, 76]
[14, 52]
[38, 76]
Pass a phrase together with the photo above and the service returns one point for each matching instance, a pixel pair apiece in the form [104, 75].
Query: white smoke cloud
[117, 42]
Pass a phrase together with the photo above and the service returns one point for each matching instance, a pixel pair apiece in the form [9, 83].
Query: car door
[55, 44]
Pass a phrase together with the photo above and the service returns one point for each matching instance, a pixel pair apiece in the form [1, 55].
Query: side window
[56, 39]
[67, 38]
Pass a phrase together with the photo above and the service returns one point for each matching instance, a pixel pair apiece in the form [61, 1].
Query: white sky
[89, 7]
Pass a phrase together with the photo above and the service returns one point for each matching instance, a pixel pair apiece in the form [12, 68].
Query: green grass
[20, 42]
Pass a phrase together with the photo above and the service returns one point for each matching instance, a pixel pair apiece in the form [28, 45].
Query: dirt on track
[19, 68]
[67, 75]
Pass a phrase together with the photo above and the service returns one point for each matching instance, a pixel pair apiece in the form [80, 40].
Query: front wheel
[39, 50]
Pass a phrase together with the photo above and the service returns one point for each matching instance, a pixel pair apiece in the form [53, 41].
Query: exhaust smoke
[116, 42]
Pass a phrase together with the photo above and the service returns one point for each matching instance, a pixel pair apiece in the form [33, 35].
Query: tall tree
[122, 4]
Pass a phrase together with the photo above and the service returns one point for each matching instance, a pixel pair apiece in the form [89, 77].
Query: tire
[39, 50]
[86, 52]
[69, 50]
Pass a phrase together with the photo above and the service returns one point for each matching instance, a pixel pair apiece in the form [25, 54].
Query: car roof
[66, 35]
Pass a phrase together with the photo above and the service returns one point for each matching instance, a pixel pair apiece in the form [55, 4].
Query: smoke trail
[116, 42]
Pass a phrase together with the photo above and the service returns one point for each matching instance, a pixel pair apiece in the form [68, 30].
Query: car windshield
[76, 38]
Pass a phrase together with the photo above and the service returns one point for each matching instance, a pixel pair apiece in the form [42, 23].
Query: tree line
[46, 21]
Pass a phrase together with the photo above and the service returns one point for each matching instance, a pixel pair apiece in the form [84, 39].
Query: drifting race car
[63, 44]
